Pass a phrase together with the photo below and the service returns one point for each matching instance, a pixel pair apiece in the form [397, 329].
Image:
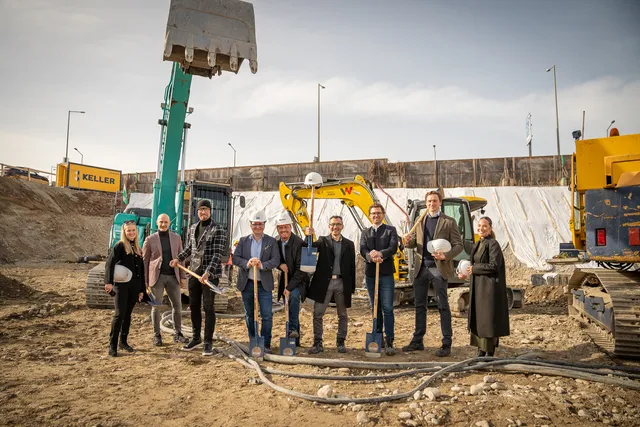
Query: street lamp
[234, 154]
[610, 124]
[555, 91]
[81, 156]
[66, 153]
[319, 87]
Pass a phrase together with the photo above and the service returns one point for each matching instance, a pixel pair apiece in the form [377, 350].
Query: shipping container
[85, 177]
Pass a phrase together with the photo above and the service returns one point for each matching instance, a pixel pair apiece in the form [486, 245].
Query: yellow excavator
[358, 194]
[605, 223]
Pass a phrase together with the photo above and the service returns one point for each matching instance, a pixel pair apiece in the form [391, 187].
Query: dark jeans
[294, 310]
[429, 274]
[265, 301]
[199, 295]
[124, 301]
[386, 286]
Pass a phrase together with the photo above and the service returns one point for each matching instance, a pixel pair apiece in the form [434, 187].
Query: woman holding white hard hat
[488, 306]
[124, 280]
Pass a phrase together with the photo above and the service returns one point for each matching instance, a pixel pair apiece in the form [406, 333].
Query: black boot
[124, 345]
[388, 347]
[317, 348]
[113, 351]
[341, 347]
[480, 353]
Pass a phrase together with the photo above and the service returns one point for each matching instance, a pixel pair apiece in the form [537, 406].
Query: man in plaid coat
[205, 247]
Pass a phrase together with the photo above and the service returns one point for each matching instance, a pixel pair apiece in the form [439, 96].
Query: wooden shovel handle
[255, 295]
[197, 276]
[375, 292]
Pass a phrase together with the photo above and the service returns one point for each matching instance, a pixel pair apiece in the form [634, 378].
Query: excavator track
[96, 297]
[608, 301]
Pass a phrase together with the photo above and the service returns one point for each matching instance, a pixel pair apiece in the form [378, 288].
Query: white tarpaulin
[531, 220]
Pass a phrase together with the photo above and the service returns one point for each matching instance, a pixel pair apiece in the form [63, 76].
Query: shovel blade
[287, 346]
[309, 259]
[256, 348]
[373, 342]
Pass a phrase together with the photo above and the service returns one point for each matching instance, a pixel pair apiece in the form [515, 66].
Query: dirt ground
[38, 222]
[54, 369]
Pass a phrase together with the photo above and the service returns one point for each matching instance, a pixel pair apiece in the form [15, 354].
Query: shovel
[287, 345]
[213, 287]
[152, 300]
[256, 342]
[373, 345]
[309, 257]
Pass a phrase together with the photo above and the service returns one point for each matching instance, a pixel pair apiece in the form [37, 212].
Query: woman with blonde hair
[127, 253]
[488, 308]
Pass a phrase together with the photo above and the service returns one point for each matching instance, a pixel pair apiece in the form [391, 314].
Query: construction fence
[538, 171]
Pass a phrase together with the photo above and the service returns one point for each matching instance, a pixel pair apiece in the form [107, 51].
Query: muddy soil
[54, 369]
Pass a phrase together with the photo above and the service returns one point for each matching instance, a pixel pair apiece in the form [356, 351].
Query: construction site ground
[54, 368]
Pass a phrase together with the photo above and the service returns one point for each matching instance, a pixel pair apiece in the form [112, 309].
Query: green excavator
[203, 38]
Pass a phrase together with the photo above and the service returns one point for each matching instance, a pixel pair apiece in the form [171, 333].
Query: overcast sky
[400, 76]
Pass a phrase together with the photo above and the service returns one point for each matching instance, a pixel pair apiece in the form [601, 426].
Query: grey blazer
[270, 257]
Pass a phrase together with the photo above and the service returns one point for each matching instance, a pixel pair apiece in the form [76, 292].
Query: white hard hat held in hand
[438, 245]
[284, 219]
[463, 266]
[259, 216]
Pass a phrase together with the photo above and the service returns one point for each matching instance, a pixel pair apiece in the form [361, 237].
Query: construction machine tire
[95, 296]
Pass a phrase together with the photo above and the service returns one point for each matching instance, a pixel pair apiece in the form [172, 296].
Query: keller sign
[86, 177]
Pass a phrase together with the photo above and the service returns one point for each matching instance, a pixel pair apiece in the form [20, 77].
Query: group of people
[155, 269]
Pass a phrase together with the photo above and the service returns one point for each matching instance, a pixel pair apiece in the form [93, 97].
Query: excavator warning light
[601, 237]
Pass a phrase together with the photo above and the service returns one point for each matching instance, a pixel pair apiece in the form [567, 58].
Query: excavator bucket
[207, 37]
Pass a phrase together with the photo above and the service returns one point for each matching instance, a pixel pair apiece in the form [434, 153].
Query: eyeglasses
[257, 224]
[376, 213]
[129, 221]
[335, 224]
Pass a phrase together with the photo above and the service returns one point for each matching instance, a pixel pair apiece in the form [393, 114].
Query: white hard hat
[284, 219]
[463, 266]
[122, 274]
[259, 216]
[438, 245]
[313, 178]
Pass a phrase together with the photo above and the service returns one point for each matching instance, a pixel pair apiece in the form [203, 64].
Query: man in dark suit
[335, 276]
[378, 245]
[435, 268]
[290, 249]
[257, 249]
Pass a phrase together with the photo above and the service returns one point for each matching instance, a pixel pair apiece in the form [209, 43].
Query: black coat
[488, 308]
[322, 276]
[384, 241]
[297, 278]
[132, 261]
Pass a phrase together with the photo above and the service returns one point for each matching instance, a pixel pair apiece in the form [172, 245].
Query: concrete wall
[520, 171]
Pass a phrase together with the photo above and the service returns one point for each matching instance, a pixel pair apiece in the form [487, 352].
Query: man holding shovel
[290, 249]
[257, 254]
[206, 243]
[434, 269]
[335, 276]
[378, 245]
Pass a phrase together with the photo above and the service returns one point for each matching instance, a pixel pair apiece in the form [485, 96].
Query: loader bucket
[207, 37]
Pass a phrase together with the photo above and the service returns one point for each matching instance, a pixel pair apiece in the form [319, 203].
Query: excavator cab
[208, 37]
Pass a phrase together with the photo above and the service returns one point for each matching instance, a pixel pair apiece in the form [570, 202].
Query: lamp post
[81, 156]
[319, 87]
[234, 154]
[610, 124]
[66, 153]
[555, 91]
